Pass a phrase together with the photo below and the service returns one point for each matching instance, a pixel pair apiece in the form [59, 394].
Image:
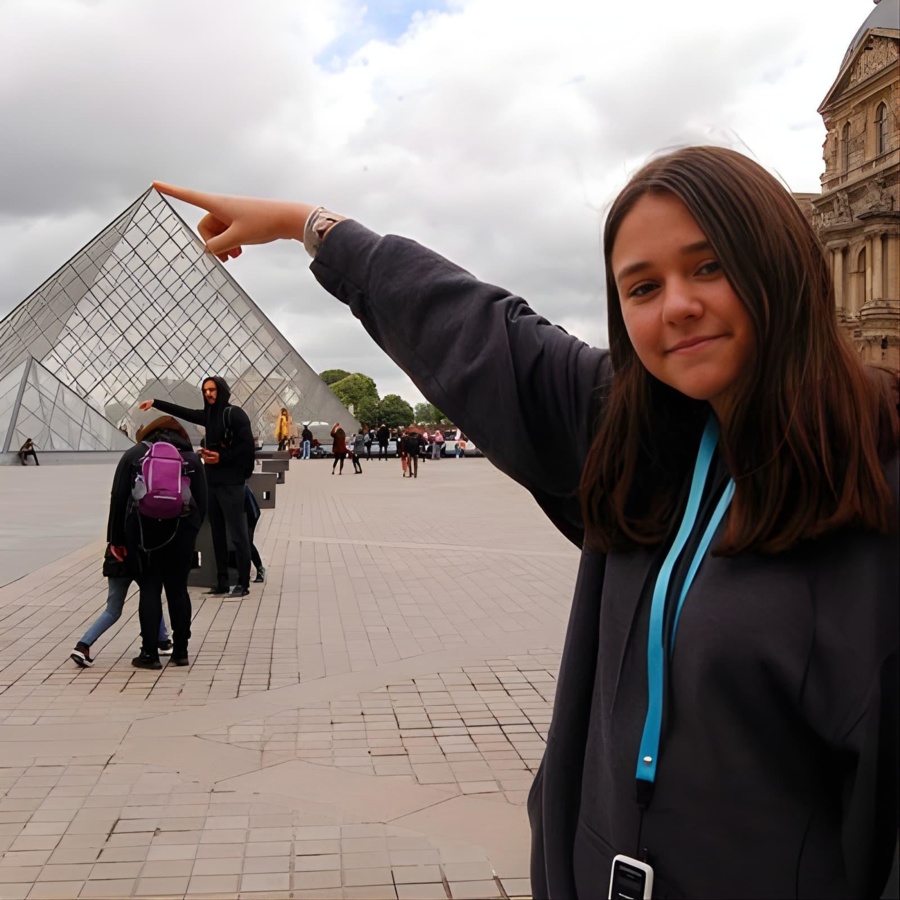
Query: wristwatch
[319, 223]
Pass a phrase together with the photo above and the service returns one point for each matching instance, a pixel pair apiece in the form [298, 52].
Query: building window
[845, 148]
[881, 129]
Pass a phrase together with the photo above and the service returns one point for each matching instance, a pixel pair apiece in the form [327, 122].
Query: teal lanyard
[656, 656]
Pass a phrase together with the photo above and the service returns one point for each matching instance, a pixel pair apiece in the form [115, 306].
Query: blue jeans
[305, 450]
[115, 601]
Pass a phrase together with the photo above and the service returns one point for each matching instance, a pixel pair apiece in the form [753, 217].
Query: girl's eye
[641, 290]
[709, 268]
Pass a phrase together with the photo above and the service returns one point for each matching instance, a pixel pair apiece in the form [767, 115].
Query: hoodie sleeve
[196, 416]
[120, 495]
[483, 356]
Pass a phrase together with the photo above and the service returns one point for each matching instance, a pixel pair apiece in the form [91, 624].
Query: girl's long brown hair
[809, 426]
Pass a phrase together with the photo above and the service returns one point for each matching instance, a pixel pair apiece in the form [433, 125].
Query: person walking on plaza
[228, 456]
[357, 448]
[369, 437]
[726, 712]
[26, 450]
[118, 581]
[158, 551]
[338, 447]
[283, 428]
[383, 435]
[306, 436]
[413, 443]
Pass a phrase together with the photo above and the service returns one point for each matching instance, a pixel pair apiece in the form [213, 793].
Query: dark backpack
[228, 439]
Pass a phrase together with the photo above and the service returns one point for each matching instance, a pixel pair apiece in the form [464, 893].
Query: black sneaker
[180, 660]
[260, 575]
[145, 661]
[218, 589]
[165, 648]
[81, 655]
[236, 591]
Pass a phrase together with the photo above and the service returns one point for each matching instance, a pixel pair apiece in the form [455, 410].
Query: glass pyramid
[142, 312]
[35, 404]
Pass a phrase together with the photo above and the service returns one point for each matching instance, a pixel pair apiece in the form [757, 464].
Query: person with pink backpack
[158, 503]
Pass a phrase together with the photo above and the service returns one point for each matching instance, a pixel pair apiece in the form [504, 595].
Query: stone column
[837, 273]
[877, 268]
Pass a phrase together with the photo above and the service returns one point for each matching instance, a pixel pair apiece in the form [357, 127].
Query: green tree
[395, 411]
[330, 376]
[428, 414]
[368, 412]
[355, 390]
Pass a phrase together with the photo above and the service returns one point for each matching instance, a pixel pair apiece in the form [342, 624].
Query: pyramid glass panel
[143, 311]
[55, 417]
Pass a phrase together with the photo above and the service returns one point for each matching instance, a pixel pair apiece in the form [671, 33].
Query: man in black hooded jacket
[228, 455]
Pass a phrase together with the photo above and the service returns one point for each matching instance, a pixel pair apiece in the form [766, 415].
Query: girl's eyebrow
[687, 250]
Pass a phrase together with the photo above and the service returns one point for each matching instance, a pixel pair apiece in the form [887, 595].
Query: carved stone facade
[857, 215]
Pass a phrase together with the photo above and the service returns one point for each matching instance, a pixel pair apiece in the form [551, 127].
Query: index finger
[209, 202]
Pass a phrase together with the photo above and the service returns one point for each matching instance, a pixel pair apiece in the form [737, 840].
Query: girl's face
[687, 325]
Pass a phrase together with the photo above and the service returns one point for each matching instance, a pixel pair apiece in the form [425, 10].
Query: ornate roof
[886, 15]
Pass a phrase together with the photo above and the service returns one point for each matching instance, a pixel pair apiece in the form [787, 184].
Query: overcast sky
[494, 131]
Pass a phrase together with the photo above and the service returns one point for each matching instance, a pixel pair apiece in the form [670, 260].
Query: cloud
[495, 133]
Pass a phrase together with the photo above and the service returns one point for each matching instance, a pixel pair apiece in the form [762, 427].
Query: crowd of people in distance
[412, 444]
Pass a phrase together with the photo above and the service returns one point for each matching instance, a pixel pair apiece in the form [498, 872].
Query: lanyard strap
[656, 658]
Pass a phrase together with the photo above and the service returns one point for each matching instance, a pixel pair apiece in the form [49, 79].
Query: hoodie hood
[223, 392]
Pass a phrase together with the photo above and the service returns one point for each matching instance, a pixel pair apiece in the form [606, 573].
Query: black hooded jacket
[236, 455]
[778, 770]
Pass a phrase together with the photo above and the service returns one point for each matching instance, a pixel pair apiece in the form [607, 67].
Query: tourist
[384, 436]
[307, 437]
[726, 709]
[228, 455]
[283, 428]
[118, 580]
[357, 448]
[252, 511]
[438, 445]
[412, 444]
[158, 552]
[26, 450]
[338, 447]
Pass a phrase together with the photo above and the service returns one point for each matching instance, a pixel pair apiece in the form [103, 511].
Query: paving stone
[337, 606]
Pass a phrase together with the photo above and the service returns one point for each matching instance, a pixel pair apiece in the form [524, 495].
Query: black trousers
[227, 519]
[167, 567]
[412, 465]
[357, 466]
[382, 450]
[23, 454]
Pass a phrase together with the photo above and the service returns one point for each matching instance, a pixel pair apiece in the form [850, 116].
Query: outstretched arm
[501, 371]
[232, 222]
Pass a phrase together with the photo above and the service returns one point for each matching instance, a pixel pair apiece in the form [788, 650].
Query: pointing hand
[231, 222]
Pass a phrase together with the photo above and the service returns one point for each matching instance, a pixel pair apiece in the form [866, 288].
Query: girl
[726, 711]
[338, 447]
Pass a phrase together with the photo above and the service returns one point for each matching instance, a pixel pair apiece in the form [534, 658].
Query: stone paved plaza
[364, 725]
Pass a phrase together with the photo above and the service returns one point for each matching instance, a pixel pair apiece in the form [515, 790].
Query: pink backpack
[162, 488]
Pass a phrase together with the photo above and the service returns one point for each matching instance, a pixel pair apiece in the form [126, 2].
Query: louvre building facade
[143, 312]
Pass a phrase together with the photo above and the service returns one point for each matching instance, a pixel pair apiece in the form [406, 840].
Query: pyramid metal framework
[143, 312]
